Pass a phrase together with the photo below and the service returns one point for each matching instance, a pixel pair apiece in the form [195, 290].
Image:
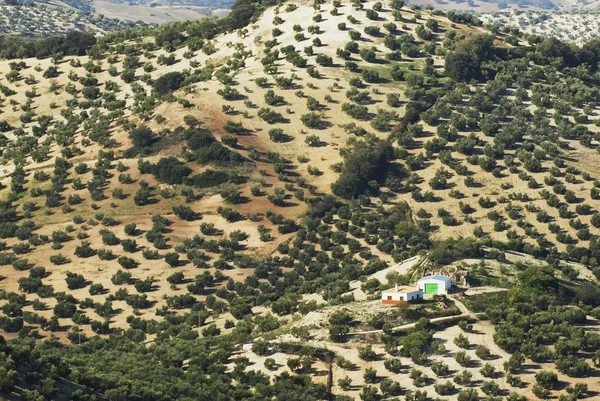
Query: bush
[175, 278]
[324, 60]
[84, 250]
[64, 309]
[168, 83]
[129, 245]
[184, 212]
[229, 214]
[490, 388]
[364, 163]
[172, 259]
[170, 170]
[464, 63]
[130, 228]
[572, 366]
[126, 262]
[468, 395]
[394, 365]
[59, 259]
[546, 379]
[339, 325]
[75, 281]
[208, 178]
[141, 137]
[96, 289]
[270, 116]
[446, 388]
[121, 277]
[277, 135]
[313, 120]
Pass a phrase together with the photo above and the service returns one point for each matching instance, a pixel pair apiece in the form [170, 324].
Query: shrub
[175, 278]
[364, 163]
[323, 60]
[75, 281]
[129, 245]
[96, 289]
[446, 388]
[277, 135]
[170, 170]
[184, 212]
[64, 309]
[394, 365]
[130, 228]
[126, 262]
[468, 395]
[59, 259]
[313, 120]
[168, 83]
[208, 178]
[270, 116]
[172, 259]
[84, 250]
[141, 137]
[121, 277]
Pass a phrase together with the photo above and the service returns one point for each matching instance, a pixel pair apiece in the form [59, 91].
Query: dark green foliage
[539, 277]
[84, 250]
[126, 262]
[172, 259]
[129, 245]
[446, 252]
[208, 178]
[588, 294]
[170, 170]
[339, 322]
[198, 138]
[64, 309]
[364, 163]
[184, 212]
[75, 281]
[204, 149]
[141, 137]
[74, 43]
[464, 62]
[168, 83]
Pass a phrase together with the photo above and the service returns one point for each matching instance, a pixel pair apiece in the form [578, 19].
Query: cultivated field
[228, 202]
[569, 27]
[154, 15]
[40, 20]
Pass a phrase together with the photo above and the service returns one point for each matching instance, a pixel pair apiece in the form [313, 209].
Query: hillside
[577, 27]
[43, 20]
[486, 6]
[171, 194]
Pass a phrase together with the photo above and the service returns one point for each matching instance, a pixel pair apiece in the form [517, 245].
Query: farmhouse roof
[402, 289]
[436, 277]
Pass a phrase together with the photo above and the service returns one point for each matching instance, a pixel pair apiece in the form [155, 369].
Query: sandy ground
[481, 334]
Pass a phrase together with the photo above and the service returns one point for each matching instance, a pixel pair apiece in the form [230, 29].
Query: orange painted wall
[391, 302]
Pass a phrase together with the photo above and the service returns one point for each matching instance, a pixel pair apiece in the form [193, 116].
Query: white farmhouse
[401, 294]
[436, 284]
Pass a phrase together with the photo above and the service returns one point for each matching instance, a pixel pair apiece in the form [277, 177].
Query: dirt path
[463, 309]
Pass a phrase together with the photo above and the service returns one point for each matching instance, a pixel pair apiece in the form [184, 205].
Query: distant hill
[36, 19]
[508, 5]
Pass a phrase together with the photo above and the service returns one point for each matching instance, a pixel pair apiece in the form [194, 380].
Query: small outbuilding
[398, 295]
[435, 285]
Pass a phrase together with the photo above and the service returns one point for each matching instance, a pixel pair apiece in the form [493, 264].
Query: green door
[431, 288]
